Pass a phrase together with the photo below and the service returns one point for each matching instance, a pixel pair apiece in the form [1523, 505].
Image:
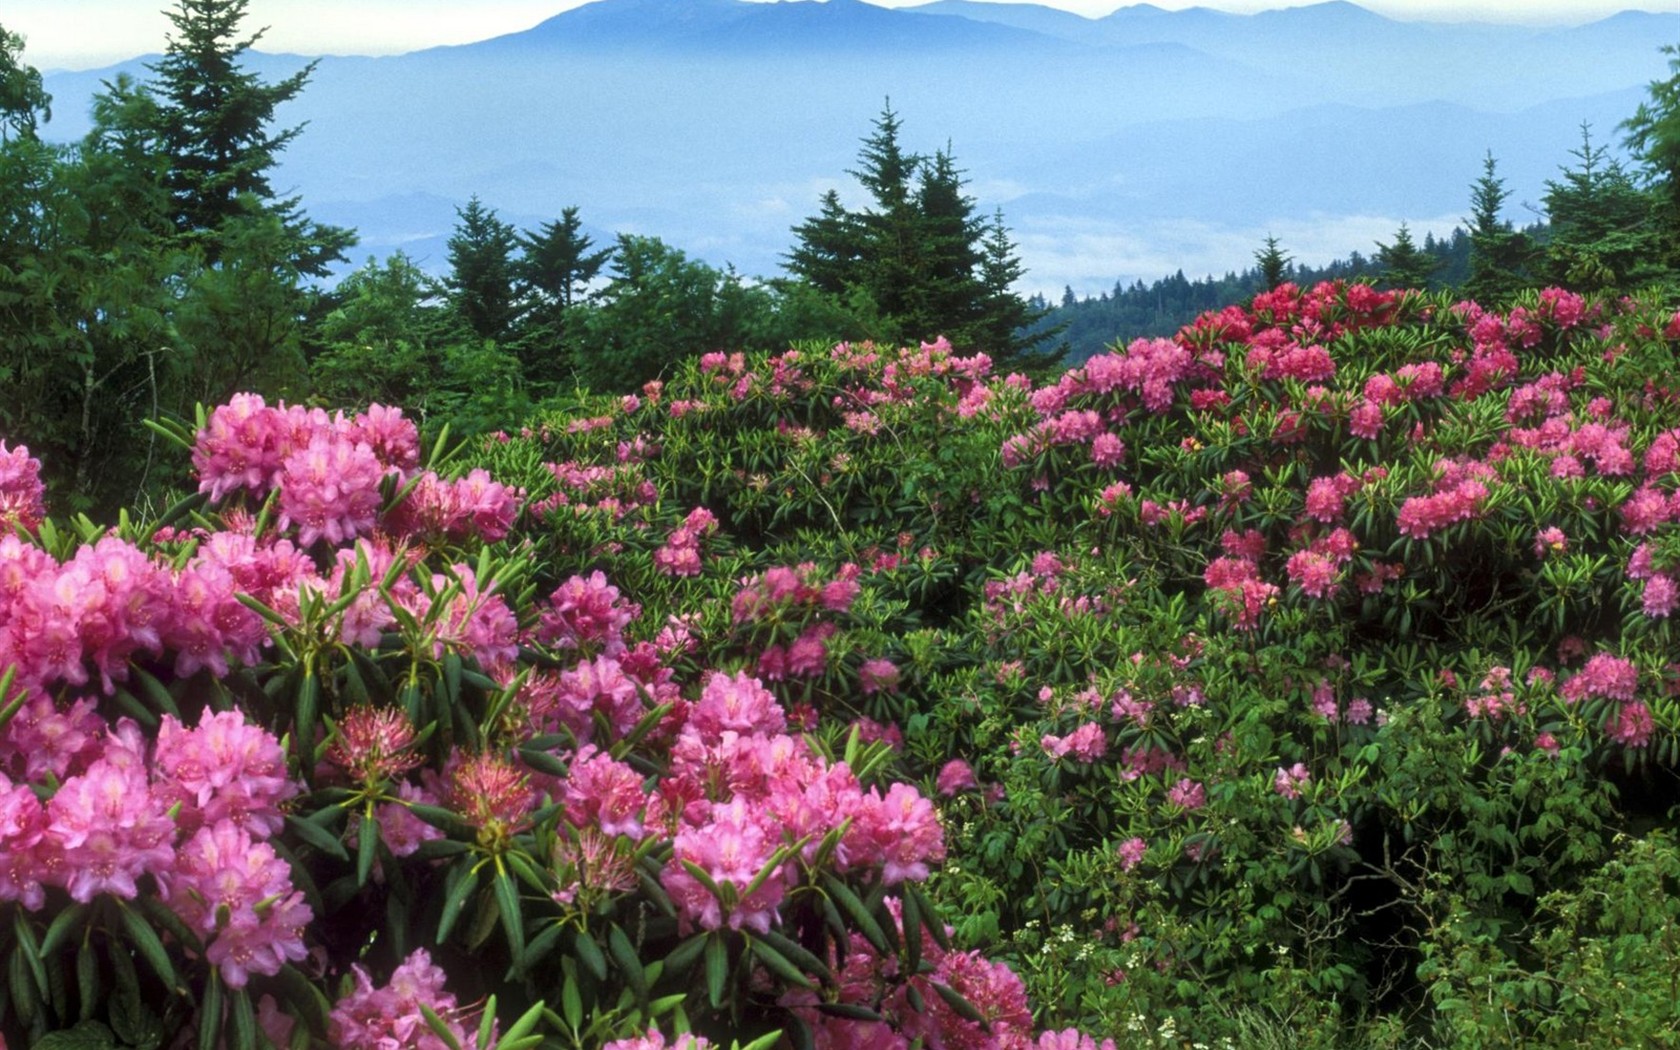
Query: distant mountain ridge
[1124, 146]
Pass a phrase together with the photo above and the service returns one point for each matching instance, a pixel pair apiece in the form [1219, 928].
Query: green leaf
[589, 953]
[63, 924]
[316, 836]
[458, 886]
[439, 1027]
[507, 902]
[624, 954]
[778, 964]
[210, 1014]
[244, 1020]
[147, 943]
[571, 1003]
[853, 908]
[963, 1008]
[683, 955]
[717, 968]
[30, 949]
[796, 953]
[367, 844]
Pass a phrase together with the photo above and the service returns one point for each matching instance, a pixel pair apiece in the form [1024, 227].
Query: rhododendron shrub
[1315, 664]
[335, 757]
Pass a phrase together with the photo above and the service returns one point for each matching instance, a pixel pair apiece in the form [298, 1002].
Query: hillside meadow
[1306, 679]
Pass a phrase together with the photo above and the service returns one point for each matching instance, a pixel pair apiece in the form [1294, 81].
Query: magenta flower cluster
[192, 815]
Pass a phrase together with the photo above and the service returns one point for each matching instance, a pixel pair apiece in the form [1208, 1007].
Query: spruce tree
[919, 258]
[481, 271]
[1601, 230]
[828, 247]
[1273, 263]
[214, 120]
[1498, 253]
[552, 275]
[1404, 264]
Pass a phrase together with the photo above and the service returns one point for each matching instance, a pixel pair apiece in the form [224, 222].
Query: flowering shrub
[1311, 671]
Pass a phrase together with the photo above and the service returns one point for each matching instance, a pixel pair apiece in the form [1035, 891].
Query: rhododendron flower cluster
[680, 554]
[1246, 594]
[382, 1018]
[586, 613]
[752, 793]
[21, 492]
[475, 506]
[1289, 782]
[1455, 499]
[1606, 675]
[194, 814]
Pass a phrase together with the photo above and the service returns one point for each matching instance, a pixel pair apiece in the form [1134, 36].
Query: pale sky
[85, 34]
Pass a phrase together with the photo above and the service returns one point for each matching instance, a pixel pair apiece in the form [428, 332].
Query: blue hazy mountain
[1122, 146]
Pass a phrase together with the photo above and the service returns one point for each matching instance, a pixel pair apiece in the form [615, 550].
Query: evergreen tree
[919, 258]
[214, 121]
[481, 271]
[1601, 233]
[1404, 264]
[1273, 262]
[556, 264]
[552, 273]
[24, 103]
[1653, 134]
[828, 248]
[1498, 253]
[947, 296]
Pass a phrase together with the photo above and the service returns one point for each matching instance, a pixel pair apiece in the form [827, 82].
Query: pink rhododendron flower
[731, 848]
[225, 769]
[1631, 725]
[956, 776]
[1131, 853]
[329, 489]
[1288, 782]
[1606, 675]
[877, 674]
[386, 1018]
[1187, 794]
[586, 613]
[21, 492]
[237, 894]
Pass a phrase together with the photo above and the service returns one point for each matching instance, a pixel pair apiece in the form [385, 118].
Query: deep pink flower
[329, 489]
[1131, 853]
[237, 894]
[21, 492]
[389, 1018]
[954, 777]
[1288, 782]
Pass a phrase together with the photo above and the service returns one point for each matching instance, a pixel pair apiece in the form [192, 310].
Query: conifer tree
[1498, 253]
[1601, 230]
[214, 120]
[1404, 264]
[1272, 261]
[552, 275]
[919, 257]
[481, 271]
[828, 247]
